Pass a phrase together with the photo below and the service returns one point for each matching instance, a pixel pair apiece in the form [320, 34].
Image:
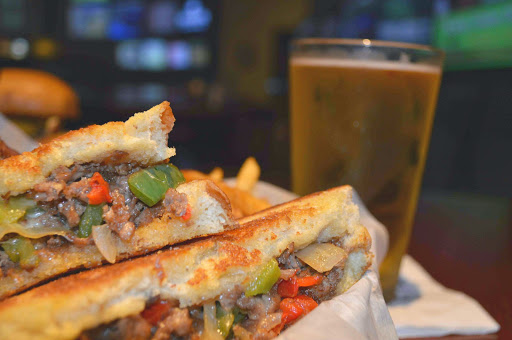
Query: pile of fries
[243, 202]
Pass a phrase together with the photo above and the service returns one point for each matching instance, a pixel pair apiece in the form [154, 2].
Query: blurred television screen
[151, 54]
[155, 54]
[127, 55]
[88, 19]
[476, 36]
[128, 19]
[13, 16]
[145, 36]
[179, 55]
[193, 17]
[161, 17]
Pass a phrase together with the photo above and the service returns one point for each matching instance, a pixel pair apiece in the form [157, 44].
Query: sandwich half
[251, 282]
[101, 193]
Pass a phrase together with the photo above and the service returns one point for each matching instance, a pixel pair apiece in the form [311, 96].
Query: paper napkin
[424, 307]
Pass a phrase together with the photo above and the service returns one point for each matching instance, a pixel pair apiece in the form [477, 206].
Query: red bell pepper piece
[290, 287]
[155, 312]
[308, 281]
[188, 213]
[293, 308]
[100, 191]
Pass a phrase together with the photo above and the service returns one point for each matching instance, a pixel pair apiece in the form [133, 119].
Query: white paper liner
[425, 308]
[14, 137]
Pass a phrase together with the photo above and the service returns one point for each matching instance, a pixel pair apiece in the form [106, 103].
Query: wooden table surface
[465, 242]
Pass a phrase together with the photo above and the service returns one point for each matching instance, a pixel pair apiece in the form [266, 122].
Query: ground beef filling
[65, 192]
[62, 200]
[256, 317]
[5, 263]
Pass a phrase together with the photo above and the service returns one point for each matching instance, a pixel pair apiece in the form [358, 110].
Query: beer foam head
[399, 65]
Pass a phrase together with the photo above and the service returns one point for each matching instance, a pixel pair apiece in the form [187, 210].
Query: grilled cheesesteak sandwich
[101, 193]
[251, 282]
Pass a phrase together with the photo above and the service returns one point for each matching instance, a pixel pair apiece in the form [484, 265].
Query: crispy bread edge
[143, 137]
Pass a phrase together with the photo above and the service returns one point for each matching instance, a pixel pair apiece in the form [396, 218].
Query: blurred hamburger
[36, 101]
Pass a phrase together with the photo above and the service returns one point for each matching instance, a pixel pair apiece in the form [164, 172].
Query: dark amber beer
[364, 120]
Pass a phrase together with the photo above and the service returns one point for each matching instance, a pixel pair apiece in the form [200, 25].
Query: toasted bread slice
[191, 274]
[142, 139]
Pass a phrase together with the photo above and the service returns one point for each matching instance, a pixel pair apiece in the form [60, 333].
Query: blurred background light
[161, 17]
[19, 48]
[44, 48]
[152, 54]
[88, 19]
[193, 17]
[179, 55]
[127, 55]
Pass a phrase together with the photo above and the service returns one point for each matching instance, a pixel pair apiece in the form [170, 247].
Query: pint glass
[362, 114]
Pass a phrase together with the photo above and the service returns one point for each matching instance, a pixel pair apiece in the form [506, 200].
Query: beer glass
[362, 114]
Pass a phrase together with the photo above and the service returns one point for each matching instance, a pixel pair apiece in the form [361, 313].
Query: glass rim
[365, 43]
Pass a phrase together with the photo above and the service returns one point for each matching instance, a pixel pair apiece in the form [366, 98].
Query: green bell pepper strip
[34, 212]
[93, 215]
[14, 209]
[149, 185]
[20, 250]
[225, 320]
[173, 175]
[239, 315]
[9, 215]
[265, 279]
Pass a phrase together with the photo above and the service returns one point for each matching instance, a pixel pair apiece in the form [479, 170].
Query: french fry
[217, 174]
[248, 175]
[191, 175]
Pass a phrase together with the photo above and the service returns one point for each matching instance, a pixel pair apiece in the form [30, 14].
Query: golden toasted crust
[211, 214]
[143, 137]
[242, 202]
[25, 92]
[190, 273]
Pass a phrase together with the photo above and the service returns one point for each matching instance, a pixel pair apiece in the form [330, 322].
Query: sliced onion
[104, 240]
[32, 231]
[210, 331]
[322, 256]
[270, 321]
